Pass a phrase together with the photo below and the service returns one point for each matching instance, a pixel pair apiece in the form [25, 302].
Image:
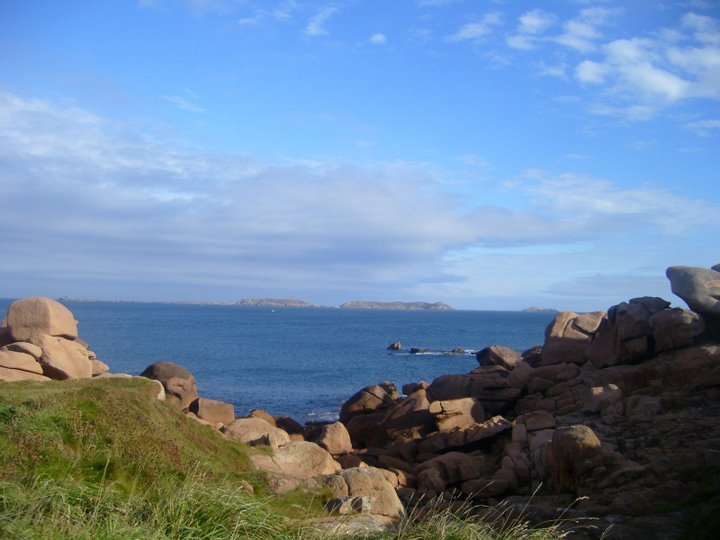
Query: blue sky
[489, 154]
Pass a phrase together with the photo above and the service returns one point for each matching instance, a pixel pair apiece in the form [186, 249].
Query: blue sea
[293, 361]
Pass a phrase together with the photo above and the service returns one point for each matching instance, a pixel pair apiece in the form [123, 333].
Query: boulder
[489, 384]
[334, 438]
[367, 482]
[98, 367]
[457, 413]
[624, 335]
[179, 383]
[409, 418]
[457, 438]
[410, 388]
[601, 397]
[33, 316]
[62, 358]
[20, 361]
[256, 431]
[13, 375]
[396, 346]
[299, 460]
[451, 468]
[568, 336]
[571, 456]
[213, 411]
[368, 400]
[497, 355]
[675, 328]
[699, 287]
[24, 347]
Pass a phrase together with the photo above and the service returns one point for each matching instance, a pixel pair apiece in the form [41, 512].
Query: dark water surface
[299, 362]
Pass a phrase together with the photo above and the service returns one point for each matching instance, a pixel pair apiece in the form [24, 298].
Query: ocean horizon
[300, 362]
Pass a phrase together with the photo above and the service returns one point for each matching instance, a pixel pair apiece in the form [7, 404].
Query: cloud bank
[91, 205]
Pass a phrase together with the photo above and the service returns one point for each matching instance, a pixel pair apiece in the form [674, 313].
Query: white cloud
[378, 39]
[704, 128]
[591, 72]
[183, 103]
[477, 30]
[282, 12]
[316, 24]
[535, 21]
[637, 77]
[582, 32]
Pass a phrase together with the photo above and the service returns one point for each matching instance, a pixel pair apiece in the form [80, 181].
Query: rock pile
[620, 408]
[39, 341]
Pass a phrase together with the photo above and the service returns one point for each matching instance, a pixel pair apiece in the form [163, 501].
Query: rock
[20, 361]
[488, 384]
[418, 350]
[520, 375]
[409, 418]
[368, 400]
[213, 411]
[62, 358]
[395, 346]
[458, 438]
[24, 347]
[568, 337]
[497, 355]
[264, 415]
[350, 505]
[451, 468]
[457, 413]
[537, 420]
[363, 428]
[624, 335]
[348, 461]
[291, 426]
[367, 482]
[355, 526]
[179, 383]
[99, 367]
[334, 438]
[13, 375]
[572, 454]
[675, 328]
[410, 388]
[533, 356]
[601, 397]
[256, 431]
[298, 459]
[699, 287]
[36, 315]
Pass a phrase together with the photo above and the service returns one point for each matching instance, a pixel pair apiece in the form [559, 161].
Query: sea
[301, 362]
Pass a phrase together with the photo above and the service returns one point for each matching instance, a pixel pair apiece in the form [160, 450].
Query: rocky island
[400, 306]
[612, 424]
[273, 303]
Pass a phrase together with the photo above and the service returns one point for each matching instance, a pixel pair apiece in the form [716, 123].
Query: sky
[487, 154]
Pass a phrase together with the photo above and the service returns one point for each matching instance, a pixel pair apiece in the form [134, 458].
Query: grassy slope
[103, 458]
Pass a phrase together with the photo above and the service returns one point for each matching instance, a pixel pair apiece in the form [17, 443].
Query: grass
[103, 459]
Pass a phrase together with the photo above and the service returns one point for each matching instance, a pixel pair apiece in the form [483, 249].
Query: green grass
[103, 459]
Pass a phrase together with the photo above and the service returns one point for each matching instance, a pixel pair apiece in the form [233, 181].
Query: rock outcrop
[39, 341]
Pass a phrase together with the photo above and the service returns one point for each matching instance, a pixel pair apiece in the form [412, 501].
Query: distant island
[533, 309]
[404, 306]
[273, 302]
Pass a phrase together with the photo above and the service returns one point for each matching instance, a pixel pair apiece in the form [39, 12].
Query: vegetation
[104, 459]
